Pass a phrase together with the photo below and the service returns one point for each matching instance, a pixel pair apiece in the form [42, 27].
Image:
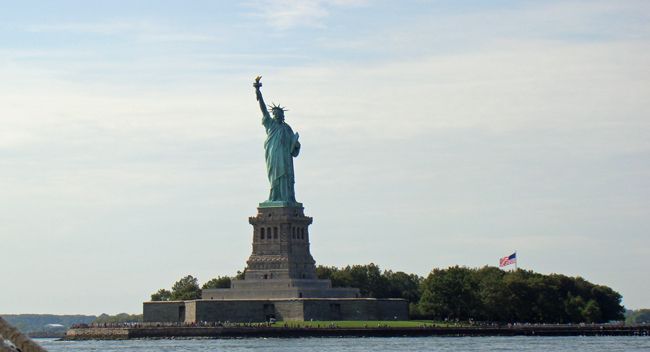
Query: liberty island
[279, 293]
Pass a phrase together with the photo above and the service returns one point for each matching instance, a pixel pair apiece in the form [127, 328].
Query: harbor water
[437, 344]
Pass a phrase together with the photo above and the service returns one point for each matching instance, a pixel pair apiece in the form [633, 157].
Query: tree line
[461, 293]
[187, 288]
[118, 318]
[491, 294]
[636, 317]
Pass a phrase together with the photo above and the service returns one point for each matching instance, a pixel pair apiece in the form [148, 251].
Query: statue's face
[278, 114]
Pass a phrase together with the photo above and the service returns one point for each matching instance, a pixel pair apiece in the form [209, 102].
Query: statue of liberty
[281, 146]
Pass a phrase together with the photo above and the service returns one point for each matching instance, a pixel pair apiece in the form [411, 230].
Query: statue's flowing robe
[281, 146]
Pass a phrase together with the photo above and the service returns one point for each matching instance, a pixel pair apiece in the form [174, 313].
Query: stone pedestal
[280, 245]
[281, 265]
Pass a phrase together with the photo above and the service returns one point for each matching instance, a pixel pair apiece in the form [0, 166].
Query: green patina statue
[281, 146]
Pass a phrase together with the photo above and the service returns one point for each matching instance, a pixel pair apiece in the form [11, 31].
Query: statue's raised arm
[258, 94]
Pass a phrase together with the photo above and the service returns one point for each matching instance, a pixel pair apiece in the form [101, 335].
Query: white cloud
[286, 14]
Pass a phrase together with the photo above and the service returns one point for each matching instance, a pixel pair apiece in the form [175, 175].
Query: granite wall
[281, 309]
[171, 311]
[355, 309]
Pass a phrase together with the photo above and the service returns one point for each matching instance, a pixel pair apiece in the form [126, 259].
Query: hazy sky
[434, 133]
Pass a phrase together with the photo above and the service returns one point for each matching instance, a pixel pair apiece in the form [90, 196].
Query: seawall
[100, 333]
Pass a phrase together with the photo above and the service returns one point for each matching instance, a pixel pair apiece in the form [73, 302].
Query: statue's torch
[257, 84]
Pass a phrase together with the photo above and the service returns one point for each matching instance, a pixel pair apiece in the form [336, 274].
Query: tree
[450, 294]
[493, 294]
[161, 295]
[369, 280]
[591, 313]
[573, 307]
[549, 302]
[343, 278]
[609, 302]
[186, 288]
[520, 295]
[403, 285]
[326, 272]
[218, 282]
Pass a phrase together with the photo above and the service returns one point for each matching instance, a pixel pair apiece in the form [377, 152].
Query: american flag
[511, 259]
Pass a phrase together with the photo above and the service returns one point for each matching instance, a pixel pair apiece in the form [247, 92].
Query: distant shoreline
[125, 333]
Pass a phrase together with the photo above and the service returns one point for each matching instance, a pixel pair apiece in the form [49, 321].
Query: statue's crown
[277, 107]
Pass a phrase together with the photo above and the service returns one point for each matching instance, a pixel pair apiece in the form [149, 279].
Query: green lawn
[359, 324]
